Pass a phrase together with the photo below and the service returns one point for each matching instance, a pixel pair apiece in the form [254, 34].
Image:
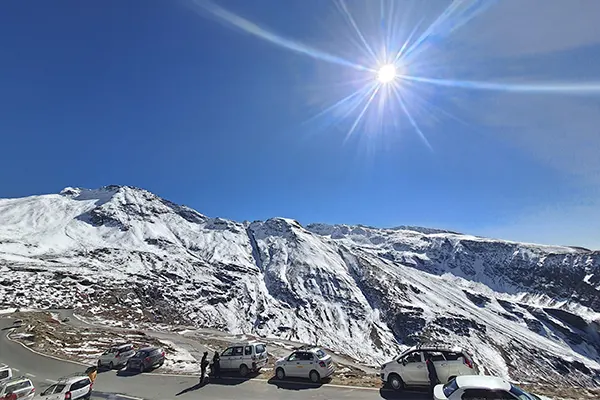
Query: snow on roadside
[179, 359]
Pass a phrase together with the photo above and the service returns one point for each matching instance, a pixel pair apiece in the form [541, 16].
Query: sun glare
[387, 73]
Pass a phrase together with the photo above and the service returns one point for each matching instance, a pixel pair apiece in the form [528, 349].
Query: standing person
[203, 365]
[217, 365]
[433, 377]
[92, 373]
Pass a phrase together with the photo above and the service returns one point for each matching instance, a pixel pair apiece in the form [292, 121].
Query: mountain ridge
[367, 292]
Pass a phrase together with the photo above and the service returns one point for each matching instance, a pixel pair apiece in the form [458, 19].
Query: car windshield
[450, 388]
[321, 354]
[522, 394]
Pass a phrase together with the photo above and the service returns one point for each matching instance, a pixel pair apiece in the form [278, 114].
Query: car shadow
[296, 383]
[125, 373]
[408, 394]
[230, 378]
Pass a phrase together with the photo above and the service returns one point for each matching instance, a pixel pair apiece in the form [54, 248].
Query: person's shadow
[192, 388]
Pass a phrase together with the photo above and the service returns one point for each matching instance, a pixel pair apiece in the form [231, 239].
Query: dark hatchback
[146, 358]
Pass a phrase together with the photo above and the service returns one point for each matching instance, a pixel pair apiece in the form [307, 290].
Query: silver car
[116, 356]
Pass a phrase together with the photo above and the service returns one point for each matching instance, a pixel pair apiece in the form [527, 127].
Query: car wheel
[280, 374]
[99, 364]
[142, 368]
[396, 382]
[111, 365]
[243, 370]
[314, 376]
[160, 364]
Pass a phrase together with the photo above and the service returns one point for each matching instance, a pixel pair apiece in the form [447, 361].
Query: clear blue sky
[189, 101]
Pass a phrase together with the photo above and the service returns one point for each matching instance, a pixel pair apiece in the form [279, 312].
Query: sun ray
[375, 90]
[342, 7]
[411, 119]
[576, 88]
[249, 27]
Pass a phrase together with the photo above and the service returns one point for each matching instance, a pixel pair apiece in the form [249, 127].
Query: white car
[244, 357]
[116, 356]
[72, 387]
[5, 373]
[472, 387]
[22, 387]
[410, 369]
[313, 364]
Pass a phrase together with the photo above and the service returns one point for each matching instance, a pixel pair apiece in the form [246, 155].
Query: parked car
[313, 364]
[244, 357]
[116, 356]
[21, 386]
[5, 373]
[73, 387]
[472, 387]
[146, 358]
[409, 368]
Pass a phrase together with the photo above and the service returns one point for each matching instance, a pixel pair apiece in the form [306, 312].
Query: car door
[237, 358]
[54, 392]
[305, 364]
[414, 371]
[226, 356]
[443, 368]
[290, 364]
[80, 388]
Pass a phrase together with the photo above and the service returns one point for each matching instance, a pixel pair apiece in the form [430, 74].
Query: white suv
[244, 357]
[116, 356]
[72, 387]
[409, 368]
[22, 387]
[5, 373]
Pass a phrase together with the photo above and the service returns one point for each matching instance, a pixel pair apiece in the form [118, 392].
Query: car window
[521, 394]
[293, 357]
[141, 354]
[4, 374]
[412, 358]
[435, 356]
[80, 384]
[260, 348]
[48, 391]
[452, 356]
[320, 353]
[59, 388]
[307, 356]
[484, 394]
[238, 351]
[450, 387]
[227, 352]
[248, 350]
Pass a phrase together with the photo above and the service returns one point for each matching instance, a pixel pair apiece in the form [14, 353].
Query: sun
[386, 73]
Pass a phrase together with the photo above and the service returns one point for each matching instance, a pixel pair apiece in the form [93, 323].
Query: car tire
[111, 365]
[160, 364]
[142, 368]
[280, 373]
[99, 364]
[395, 382]
[243, 370]
[314, 376]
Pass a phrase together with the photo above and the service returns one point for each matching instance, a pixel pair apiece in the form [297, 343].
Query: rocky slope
[525, 311]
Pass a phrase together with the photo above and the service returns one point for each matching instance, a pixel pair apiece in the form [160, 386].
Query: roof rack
[434, 346]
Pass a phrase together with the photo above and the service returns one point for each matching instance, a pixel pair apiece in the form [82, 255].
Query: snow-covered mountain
[525, 311]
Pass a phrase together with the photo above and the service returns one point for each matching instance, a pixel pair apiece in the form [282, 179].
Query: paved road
[149, 386]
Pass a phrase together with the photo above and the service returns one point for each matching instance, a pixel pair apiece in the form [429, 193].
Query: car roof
[72, 378]
[482, 382]
[15, 380]
[148, 348]
[249, 343]
[118, 346]
[433, 347]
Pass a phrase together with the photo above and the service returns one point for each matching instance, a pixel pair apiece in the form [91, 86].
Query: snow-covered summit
[521, 309]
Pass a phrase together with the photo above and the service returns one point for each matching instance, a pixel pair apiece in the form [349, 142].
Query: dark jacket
[433, 377]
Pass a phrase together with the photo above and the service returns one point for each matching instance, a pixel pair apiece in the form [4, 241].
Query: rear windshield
[450, 388]
[140, 354]
[320, 353]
